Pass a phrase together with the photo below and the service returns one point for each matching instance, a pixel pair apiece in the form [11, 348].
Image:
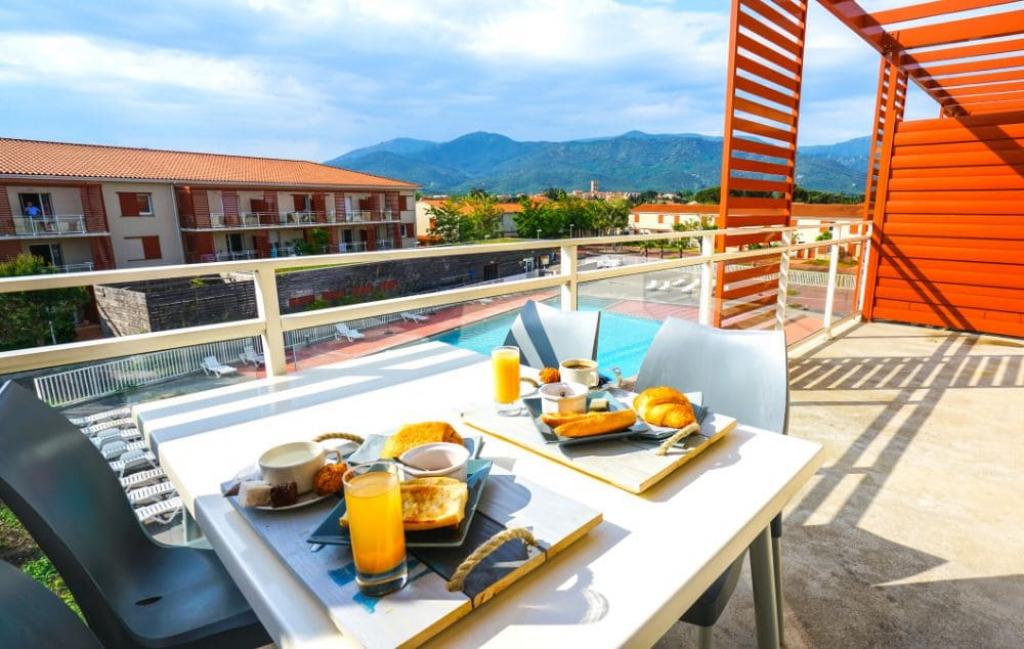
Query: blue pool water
[621, 343]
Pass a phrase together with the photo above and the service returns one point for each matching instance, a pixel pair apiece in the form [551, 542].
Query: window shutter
[151, 247]
[129, 203]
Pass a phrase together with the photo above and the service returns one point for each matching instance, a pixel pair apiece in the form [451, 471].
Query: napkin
[230, 488]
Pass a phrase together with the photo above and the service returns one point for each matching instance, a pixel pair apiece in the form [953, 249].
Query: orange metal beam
[931, 10]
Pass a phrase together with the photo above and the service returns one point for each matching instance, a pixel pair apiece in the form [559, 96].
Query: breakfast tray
[425, 607]
[627, 463]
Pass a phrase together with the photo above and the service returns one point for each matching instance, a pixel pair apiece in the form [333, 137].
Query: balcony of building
[300, 219]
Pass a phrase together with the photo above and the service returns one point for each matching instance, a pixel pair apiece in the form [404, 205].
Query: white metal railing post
[865, 258]
[830, 290]
[780, 304]
[707, 248]
[570, 294]
[269, 311]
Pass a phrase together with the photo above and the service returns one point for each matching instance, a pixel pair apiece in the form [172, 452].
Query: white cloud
[90, 64]
[588, 32]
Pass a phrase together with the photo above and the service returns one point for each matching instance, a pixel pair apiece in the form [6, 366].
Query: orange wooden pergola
[944, 195]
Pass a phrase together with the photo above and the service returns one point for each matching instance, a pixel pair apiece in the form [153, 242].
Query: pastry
[253, 493]
[413, 435]
[328, 478]
[665, 406]
[599, 405]
[283, 495]
[597, 423]
[550, 375]
[430, 503]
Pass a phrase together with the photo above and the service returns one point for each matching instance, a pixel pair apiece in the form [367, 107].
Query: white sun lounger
[413, 317]
[143, 478]
[108, 425]
[124, 434]
[249, 356]
[212, 366]
[164, 511]
[116, 448]
[664, 286]
[345, 332]
[691, 287]
[652, 285]
[133, 461]
[151, 494]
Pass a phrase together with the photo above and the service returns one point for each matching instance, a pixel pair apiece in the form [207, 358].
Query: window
[133, 204]
[35, 204]
[661, 218]
[403, 202]
[143, 248]
[48, 252]
[636, 218]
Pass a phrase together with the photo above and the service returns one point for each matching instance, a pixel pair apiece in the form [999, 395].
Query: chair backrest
[341, 327]
[211, 361]
[743, 374]
[546, 335]
[32, 616]
[63, 492]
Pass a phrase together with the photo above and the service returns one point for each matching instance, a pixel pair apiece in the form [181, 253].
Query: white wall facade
[163, 223]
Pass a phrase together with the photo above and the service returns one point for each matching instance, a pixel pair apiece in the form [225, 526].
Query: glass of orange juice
[505, 363]
[373, 500]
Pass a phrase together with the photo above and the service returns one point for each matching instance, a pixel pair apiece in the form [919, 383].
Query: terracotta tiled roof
[61, 159]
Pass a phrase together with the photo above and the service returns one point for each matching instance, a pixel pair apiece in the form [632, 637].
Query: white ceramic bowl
[442, 459]
[563, 398]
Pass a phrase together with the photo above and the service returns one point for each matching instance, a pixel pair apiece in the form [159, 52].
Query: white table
[625, 583]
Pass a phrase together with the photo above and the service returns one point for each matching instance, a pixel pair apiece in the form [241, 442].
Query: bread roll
[664, 406]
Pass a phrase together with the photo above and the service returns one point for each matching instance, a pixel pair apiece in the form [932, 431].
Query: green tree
[447, 222]
[708, 195]
[316, 244]
[554, 193]
[483, 214]
[36, 318]
[535, 219]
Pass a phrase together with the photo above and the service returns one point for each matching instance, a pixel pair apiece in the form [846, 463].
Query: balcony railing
[49, 226]
[270, 324]
[245, 220]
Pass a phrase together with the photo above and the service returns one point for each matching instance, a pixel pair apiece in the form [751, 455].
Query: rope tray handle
[346, 436]
[680, 434]
[458, 580]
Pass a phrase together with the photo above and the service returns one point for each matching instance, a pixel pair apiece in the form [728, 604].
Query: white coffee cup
[294, 462]
[441, 459]
[563, 398]
[579, 370]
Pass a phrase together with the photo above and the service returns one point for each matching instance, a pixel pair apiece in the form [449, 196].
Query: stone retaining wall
[143, 307]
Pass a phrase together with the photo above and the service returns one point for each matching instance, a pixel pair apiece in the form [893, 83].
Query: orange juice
[374, 503]
[505, 361]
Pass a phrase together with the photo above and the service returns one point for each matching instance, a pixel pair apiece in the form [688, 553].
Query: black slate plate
[330, 532]
[534, 406]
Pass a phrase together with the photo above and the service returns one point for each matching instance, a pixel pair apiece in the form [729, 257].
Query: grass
[18, 548]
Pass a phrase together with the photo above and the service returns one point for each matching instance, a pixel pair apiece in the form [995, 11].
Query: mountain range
[633, 161]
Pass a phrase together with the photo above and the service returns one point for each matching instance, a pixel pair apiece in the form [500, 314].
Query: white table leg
[763, 578]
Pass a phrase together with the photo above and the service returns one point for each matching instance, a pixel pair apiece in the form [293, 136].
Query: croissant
[664, 406]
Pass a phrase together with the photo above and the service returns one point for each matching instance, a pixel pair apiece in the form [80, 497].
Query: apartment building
[82, 206]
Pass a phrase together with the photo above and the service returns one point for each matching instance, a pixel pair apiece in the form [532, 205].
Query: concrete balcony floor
[911, 535]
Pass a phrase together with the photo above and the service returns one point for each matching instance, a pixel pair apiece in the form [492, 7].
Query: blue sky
[314, 78]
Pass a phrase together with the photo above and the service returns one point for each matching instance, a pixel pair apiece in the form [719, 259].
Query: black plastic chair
[133, 591]
[31, 617]
[743, 374]
[546, 335]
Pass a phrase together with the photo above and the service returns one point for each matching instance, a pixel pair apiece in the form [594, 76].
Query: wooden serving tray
[628, 464]
[425, 607]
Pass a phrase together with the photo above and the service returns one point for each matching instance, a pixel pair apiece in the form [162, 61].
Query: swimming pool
[621, 343]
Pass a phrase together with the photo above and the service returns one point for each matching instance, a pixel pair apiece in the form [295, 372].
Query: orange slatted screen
[952, 228]
[766, 52]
